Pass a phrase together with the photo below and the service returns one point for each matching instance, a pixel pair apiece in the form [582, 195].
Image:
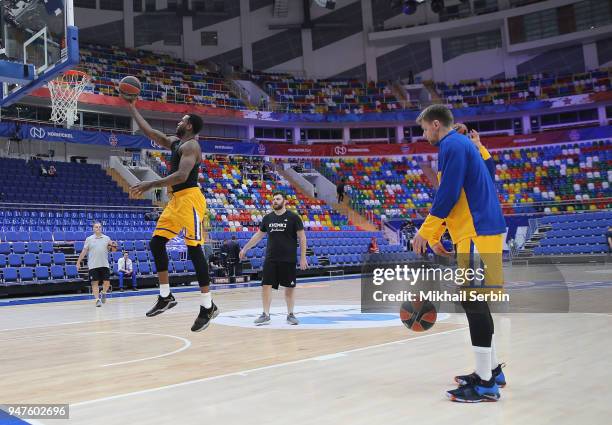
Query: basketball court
[114, 365]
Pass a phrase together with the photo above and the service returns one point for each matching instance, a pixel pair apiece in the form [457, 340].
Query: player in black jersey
[184, 213]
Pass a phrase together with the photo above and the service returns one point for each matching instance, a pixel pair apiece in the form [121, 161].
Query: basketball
[130, 87]
[418, 316]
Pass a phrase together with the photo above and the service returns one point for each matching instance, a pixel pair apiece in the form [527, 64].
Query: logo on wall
[38, 133]
[113, 140]
[261, 149]
[155, 145]
[316, 317]
[405, 149]
[340, 150]
[574, 135]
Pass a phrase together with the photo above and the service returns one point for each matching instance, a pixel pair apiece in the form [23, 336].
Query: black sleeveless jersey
[192, 179]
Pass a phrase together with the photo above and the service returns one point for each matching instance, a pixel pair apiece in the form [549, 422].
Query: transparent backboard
[39, 33]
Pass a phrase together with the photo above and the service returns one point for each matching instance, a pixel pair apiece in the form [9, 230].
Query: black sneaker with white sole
[204, 318]
[162, 304]
[498, 374]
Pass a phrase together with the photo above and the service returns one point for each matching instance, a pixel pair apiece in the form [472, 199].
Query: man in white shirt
[125, 268]
[96, 248]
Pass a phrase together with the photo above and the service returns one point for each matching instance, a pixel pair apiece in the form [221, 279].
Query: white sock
[483, 362]
[206, 300]
[494, 362]
[164, 290]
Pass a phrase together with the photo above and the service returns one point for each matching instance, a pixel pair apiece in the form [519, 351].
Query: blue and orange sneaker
[498, 374]
[476, 392]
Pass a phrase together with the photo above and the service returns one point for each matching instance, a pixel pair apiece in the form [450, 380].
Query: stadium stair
[431, 88]
[527, 251]
[121, 182]
[567, 237]
[400, 94]
[356, 218]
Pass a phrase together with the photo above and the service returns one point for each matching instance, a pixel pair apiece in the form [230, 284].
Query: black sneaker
[120, 289]
[472, 378]
[204, 318]
[477, 392]
[162, 304]
[134, 289]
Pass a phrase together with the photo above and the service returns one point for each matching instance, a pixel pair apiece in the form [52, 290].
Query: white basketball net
[65, 91]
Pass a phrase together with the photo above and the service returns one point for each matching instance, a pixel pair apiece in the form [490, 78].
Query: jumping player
[467, 204]
[185, 212]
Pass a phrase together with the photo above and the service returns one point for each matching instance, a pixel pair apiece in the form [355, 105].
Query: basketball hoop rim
[71, 72]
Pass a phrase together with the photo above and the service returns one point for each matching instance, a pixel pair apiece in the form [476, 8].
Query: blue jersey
[466, 200]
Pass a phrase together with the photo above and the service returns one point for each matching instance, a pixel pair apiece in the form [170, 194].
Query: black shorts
[99, 274]
[279, 273]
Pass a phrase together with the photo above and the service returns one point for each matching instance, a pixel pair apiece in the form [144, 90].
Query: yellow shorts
[483, 254]
[186, 212]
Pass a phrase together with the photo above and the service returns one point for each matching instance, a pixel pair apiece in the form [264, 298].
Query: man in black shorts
[283, 228]
[96, 248]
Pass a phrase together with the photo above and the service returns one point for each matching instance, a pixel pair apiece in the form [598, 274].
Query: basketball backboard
[39, 41]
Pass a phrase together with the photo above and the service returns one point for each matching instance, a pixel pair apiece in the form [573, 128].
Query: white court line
[329, 357]
[55, 324]
[186, 345]
[248, 371]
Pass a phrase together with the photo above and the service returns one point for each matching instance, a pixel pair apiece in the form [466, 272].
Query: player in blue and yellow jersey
[466, 204]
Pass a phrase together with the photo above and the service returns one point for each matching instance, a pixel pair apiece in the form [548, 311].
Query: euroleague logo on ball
[340, 150]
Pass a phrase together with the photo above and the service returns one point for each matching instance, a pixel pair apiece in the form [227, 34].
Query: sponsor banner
[229, 148]
[100, 138]
[549, 137]
[395, 116]
[340, 150]
[260, 115]
[564, 102]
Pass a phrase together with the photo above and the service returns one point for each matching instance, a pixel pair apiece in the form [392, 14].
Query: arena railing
[75, 207]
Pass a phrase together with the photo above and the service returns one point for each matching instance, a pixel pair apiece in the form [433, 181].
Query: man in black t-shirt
[284, 228]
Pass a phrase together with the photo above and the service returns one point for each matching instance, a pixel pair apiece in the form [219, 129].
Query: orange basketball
[130, 87]
[418, 316]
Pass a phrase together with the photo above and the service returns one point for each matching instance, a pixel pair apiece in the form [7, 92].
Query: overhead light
[437, 6]
[409, 7]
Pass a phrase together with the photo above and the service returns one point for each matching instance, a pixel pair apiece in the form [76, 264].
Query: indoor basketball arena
[305, 212]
